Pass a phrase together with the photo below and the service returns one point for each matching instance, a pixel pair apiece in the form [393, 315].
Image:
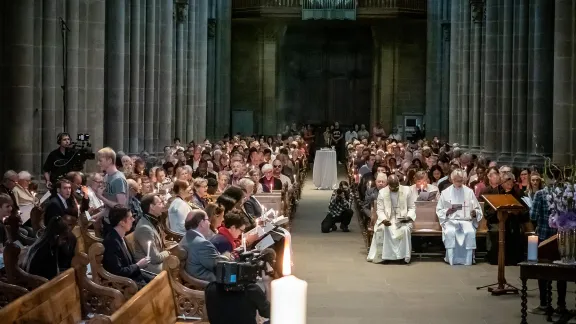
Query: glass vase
[567, 246]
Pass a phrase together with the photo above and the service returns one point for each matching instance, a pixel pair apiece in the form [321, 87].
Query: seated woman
[268, 181]
[44, 255]
[198, 197]
[227, 238]
[179, 208]
[117, 258]
[215, 213]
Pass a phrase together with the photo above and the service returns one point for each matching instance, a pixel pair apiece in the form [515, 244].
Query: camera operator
[239, 306]
[58, 161]
[339, 210]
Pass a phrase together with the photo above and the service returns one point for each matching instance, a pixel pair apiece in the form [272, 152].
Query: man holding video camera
[58, 162]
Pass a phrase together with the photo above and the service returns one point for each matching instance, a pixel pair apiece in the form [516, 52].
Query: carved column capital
[211, 27]
[446, 31]
[180, 10]
[477, 11]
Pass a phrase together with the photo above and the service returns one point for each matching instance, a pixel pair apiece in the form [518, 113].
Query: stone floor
[344, 288]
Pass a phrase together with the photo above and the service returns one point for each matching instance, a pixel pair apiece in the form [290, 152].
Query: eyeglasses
[277, 166]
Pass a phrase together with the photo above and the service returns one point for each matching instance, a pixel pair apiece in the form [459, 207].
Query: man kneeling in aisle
[396, 214]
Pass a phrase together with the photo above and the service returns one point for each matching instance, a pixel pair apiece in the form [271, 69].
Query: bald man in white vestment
[459, 213]
[396, 213]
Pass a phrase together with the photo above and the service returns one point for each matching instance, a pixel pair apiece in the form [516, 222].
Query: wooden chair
[126, 286]
[9, 293]
[68, 298]
[167, 234]
[88, 237]
[176, 265]
[158, 302]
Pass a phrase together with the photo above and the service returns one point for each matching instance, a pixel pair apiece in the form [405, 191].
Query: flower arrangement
[561, 198]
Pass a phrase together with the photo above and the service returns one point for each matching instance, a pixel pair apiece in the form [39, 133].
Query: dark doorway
[326, 73]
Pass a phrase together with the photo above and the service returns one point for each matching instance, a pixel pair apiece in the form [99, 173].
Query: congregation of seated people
[204, 196]
[391, 175]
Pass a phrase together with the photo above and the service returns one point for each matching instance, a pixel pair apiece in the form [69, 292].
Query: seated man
[372, 194]
[202, 255]
[148, 241]
[392, 233]
[117, 258]
[422, 187]
[459, 213]
[60, 202]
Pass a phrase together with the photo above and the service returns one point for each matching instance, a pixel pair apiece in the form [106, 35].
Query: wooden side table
[543, 271]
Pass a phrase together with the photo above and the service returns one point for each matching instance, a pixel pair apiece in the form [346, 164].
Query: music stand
[504, 206]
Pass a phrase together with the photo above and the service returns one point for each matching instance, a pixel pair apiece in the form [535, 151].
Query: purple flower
[564, 220]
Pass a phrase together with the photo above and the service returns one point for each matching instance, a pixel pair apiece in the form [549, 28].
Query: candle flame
[287, 259]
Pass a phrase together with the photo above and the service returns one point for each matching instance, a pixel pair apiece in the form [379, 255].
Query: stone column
[115, 48]
[49, 89]
[149, 84]
[433, 65]
[181, 16]
[465, 81]
[190, 104]
[165, 91]
[201, 23]
[563, 102]
[454, 65]
[211, 75]
[506, 108]
[375, 102]
[135, 118]
[477, 12]
[223, 64]
[386, 35]
[270, 36]
[73, 42]
[490, 79]
[521, 83]
[95, 101]
[21, 86]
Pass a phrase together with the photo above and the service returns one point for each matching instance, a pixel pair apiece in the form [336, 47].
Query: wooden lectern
[504, 206]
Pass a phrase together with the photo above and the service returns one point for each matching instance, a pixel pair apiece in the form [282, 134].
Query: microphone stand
[63, 32]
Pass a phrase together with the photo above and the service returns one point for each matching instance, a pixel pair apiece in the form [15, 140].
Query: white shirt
[63, 201]
[177, 213]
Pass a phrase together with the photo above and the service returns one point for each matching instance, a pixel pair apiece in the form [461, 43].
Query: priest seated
[459, 213]
[396, 213]
[422, 189]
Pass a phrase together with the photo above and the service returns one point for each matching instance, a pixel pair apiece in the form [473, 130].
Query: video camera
[82, 149]
[235, 275]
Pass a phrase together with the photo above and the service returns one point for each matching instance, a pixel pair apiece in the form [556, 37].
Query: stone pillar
[165, 91]
[223, 64]
[211, 75]
[180, 120]
[95, 101]
[49, 89]
[520, 118]
[491, 140]
[115, 48]
[433, 67]
[73, 42]
[563, 102]
[190, 104]
[269, 38]
[375, 101]
[201, 60]
[149, 84]
[387, 74]
[21, 86]
[454, 65]
[135, 118]
[506, 107]
[477, 13]
[465, 81]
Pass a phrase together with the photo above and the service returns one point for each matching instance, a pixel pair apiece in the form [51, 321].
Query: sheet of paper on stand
[46, 196]
[280, 220]
[25, 212]
[266, 242]
[270, 214]
[527, 201]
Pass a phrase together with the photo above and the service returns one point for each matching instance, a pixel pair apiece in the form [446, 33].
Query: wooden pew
[88, 237]
[14, 274]
[68, 298]
[9, 293]
[427, 223]
[175, 265]
[126, 286]
[160, 301]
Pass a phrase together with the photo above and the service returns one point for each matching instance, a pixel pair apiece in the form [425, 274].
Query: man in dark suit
[202, 254]
[253, 207]
[117, 258]
[64, 203]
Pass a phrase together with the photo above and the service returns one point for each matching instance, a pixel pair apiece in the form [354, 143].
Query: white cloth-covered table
[324, 175]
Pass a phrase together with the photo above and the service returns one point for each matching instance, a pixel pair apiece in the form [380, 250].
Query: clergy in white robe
[459, 213]
[396, 213]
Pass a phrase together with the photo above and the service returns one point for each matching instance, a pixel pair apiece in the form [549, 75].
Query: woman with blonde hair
[536, 183]
[200, 188]
[223, 181]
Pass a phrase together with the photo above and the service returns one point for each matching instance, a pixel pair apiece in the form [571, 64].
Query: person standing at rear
[337, 139]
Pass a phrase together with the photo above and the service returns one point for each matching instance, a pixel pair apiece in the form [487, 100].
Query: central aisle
[344, 288]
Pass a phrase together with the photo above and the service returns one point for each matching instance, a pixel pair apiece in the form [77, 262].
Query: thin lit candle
[149, 244]
[243, 242]
[288, 293]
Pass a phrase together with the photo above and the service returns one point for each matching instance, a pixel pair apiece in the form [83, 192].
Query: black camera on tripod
[82, 149]
[235, 275]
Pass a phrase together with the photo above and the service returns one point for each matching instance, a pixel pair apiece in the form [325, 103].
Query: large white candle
[148, 254]
[288, 294]
[532, 248]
